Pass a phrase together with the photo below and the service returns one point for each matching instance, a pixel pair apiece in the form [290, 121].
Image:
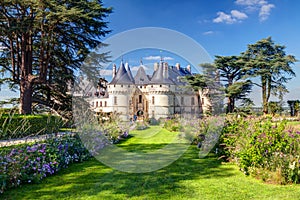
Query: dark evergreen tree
[268, 60]
[232, 73]
[44, 42]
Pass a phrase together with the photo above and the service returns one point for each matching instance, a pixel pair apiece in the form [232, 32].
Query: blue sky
[222, 27]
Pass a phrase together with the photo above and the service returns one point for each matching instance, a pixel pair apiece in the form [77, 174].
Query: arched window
[105, 104]
[96, 104]
[100, 103]
[153, 100]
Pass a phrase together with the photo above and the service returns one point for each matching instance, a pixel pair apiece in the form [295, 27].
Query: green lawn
[187, 178]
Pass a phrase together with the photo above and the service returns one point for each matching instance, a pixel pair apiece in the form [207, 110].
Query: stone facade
[160, 95]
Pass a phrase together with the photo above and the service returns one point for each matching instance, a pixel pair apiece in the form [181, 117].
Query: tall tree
[208, 84]
[44, 42]
[268, 60]
[232, 74]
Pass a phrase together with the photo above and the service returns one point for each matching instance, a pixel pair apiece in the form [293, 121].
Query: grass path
[187, 178]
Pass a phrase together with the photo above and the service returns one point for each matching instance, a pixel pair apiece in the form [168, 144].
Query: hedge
[18, 126]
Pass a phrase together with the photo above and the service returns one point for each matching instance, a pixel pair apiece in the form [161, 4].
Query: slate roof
[129, 72]
[171, 77]
[122, 76]
[158, 76]
[141, 77]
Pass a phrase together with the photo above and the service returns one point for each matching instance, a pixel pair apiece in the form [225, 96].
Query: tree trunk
[264, 94]
[25, 96]
[230, 105]
[26, 81]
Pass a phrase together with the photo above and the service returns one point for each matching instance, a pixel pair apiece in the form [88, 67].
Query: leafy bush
[17, 126]
[172, 125]
[267, 150]
[31, 163]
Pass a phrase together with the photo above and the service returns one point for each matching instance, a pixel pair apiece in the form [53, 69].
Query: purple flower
[291, 135]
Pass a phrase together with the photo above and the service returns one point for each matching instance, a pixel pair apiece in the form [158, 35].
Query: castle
[143, 96]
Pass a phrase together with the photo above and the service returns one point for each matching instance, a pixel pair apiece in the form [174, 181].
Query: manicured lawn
[187, 178]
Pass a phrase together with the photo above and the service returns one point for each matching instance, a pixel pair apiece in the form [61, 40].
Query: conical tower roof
[122, 76]
[141, 77]
[129, 72]
[158, 76]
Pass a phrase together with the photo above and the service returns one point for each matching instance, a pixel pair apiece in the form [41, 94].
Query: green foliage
[275, 107]
[187, 178]
[172, 125]
[31, 163]
[269, 62]
[54, 38]
[18, 126]
[262, 148]
[232, 73]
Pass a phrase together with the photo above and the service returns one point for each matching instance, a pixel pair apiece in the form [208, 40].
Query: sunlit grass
[187, 178]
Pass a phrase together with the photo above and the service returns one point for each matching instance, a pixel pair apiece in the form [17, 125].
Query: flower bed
[31, 163]
[267, 150]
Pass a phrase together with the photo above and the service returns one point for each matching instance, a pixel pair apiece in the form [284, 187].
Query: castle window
[100, 103]
[192, 101]
[160, 85]
[128, 85]
[152, 86]
[96, 104]
[114, 85]
[115, 100]
[140, 98]
[121, 85]
[105, 104]
[153, 100]
[182, 100]
[141, 86]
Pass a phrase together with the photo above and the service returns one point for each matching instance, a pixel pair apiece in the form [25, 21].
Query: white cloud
[263, 6]
[135, 68]
[234, 17]
[208, 33]
[157, 58]
[265, 11]
[250, 2]
[239, 15]
[105, 72]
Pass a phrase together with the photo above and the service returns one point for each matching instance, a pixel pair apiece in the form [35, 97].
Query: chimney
[114, 72]
[177, 66]
[188, 68]
[165, 70]
[155, 66]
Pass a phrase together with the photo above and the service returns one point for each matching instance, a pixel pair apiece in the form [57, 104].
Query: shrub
[172, 125]
[17, 126]
[265, 149]
[31, 163]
